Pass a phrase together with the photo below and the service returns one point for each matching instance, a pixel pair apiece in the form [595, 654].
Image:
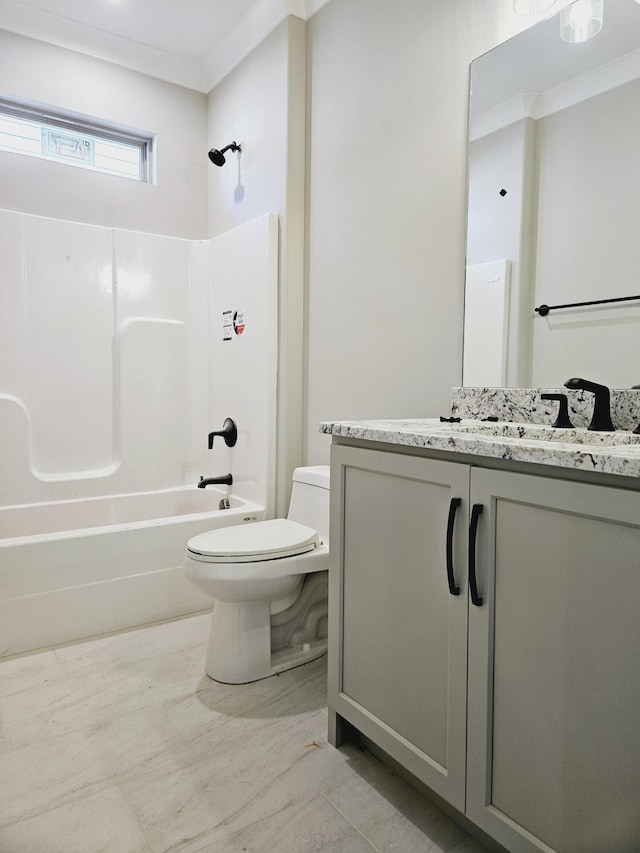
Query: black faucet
[225, 480]
[601, 419]
[229, 432]
[563, 420]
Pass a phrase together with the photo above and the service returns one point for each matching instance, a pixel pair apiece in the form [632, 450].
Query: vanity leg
[340, 731]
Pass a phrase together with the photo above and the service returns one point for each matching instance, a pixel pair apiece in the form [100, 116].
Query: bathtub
[80, 568]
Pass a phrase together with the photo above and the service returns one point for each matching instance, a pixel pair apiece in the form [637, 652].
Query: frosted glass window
[37, 132]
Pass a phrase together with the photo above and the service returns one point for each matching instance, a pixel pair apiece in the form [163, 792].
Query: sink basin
[542, 432]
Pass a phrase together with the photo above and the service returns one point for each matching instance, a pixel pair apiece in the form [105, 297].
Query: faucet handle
[229, 432]
[562, 421]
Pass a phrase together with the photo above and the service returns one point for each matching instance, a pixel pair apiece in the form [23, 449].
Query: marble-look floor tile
[128, 731]
[392, 815]
[67, 702]
[58, 770]
[136, 645]
[4, 740]
[310, 826]
[102, 823]
[469, 846]
[249, 771]
[22, 673]
[292, 692]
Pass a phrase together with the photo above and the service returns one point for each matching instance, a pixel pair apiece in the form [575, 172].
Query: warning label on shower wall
[227, 325]
[233, 323]
[238, 322]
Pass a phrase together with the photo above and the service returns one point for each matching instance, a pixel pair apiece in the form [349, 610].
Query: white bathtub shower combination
[79, 568]
[116, 364]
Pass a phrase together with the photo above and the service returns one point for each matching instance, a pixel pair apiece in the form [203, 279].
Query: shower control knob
[229, 432]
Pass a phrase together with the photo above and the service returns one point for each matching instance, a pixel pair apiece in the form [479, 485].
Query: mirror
[554, 207]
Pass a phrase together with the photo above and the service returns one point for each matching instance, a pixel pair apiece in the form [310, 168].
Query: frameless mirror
[554, 207]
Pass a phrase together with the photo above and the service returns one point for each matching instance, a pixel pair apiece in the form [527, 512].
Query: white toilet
[269, 581]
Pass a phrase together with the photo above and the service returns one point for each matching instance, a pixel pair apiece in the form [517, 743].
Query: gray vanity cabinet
[398, 671]
[553, 753]
[536, 735]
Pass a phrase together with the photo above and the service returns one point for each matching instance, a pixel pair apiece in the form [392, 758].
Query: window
[38, 132]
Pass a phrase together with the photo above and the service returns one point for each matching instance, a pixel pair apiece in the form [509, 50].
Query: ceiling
[539, 60]
[192, 43]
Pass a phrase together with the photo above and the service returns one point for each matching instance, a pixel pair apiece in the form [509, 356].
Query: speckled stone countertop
[519, 438]
[525, 405]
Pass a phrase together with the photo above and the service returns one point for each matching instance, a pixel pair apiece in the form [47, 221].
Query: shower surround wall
[93, 325]
[114, 368]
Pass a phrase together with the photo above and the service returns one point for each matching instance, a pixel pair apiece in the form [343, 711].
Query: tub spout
[225, 480]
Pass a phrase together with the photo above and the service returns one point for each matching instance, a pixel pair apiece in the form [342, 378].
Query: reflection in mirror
[554, 207]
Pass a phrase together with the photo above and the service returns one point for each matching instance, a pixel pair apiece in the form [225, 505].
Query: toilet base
[243, 635]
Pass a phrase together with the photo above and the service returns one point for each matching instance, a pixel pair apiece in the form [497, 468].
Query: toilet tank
[310, 499]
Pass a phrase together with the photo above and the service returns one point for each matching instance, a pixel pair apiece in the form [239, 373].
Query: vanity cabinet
[519, 704]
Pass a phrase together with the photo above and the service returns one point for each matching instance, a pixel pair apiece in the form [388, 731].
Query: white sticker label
[238, 322]
[227, 325]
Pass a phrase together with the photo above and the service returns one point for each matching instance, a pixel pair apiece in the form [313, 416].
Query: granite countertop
[520, 442]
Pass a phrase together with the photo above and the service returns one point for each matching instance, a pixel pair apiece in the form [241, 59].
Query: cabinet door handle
[476, 512]
[454, 589]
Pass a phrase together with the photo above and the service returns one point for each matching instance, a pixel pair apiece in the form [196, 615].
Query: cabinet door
[554, 666]
[398, 670]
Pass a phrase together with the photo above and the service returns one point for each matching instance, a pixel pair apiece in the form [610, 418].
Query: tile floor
[123, 745]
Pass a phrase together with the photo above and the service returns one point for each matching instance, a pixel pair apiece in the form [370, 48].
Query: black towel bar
[543, 310]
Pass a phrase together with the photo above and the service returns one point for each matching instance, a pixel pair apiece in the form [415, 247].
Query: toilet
[270, 584]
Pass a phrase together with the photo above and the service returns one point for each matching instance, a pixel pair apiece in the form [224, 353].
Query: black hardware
[543, 310]
[225, 480]
[454, 589]
[229, 432]
[563, 420]
[444, 420]
[601, 418]
[476, 512]
[217, 155]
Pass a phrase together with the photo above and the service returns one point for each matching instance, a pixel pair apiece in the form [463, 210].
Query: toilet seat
[253, 543]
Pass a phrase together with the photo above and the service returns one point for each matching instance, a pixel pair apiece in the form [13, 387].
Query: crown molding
[261, 19]
[538, 105]
[72, 35]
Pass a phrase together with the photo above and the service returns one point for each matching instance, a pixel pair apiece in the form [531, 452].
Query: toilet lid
[251, 543]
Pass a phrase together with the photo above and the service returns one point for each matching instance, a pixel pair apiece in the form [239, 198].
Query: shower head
[217, 156]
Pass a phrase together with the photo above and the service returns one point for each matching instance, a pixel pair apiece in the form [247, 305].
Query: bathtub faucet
[225, 480]
[229, 432]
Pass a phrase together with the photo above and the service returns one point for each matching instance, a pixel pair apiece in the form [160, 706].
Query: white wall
[385, 182]
[387, 200]
[114, 370]
[235, 369]
[261, 105]
[93, 323]
[61, 78]
[503, 227]
[587, 236]
[386, 144]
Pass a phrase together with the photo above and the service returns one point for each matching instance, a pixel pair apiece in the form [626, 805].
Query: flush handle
[454, 589]
[476, 512]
